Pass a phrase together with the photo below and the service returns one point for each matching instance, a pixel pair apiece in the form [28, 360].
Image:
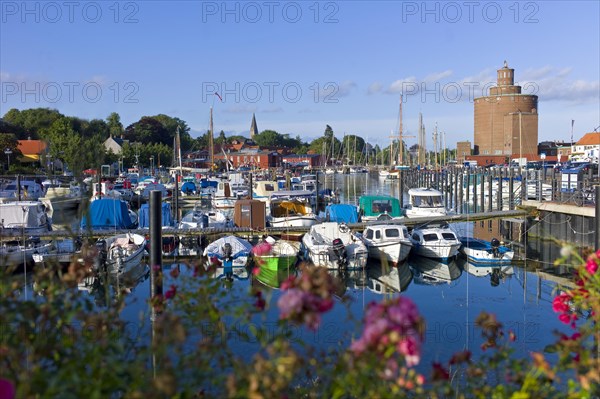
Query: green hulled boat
[281, 255]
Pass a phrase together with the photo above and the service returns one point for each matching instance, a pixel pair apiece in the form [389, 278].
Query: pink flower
[290, 303]
[565, 318]
[7, 389]
[591, 266]
[262, 248]
[411, 349]
[170, 294]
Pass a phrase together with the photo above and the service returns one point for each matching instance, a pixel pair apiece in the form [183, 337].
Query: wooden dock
[166, 232]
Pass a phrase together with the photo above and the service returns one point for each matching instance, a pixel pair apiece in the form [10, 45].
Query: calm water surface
[448, 297]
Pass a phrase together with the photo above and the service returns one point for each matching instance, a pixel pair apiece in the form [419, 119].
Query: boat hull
[394, 252]
[293, 221]
[276, 263]
[436, 250]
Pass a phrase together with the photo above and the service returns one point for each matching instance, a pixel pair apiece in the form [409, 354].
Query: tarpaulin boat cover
[341, 213]
[107, 213]
[144, 215]
[188, 187]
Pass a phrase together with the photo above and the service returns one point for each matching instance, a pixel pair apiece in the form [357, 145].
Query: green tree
[115, 127]
[8, 141]
[31, 122]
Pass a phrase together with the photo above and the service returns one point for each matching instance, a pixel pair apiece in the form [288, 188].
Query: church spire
[253, 127]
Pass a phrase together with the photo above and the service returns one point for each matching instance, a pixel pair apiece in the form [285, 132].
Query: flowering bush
[307, 296]
[60, 338]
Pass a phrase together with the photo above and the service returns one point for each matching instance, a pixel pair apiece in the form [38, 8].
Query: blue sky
[302, 65]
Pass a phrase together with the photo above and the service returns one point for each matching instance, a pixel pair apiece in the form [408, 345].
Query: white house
[587, 148]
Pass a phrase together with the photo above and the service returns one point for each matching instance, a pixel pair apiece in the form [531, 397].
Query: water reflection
[273, 278]
[105, 288]
[383, 278]
[497, 274]
[433, 271]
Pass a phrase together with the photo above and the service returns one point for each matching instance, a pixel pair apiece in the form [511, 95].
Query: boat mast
[435, 147]
[211, 144]
[421, 141]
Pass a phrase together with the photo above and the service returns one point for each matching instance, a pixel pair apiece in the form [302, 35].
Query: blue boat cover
[188, 187]
[341, 213]
[107, 213]
[144, 216]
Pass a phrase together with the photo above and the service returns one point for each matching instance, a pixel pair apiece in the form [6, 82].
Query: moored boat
[486, 252]
[291, 213]
[276, 255]
[425, 202]
[437, 241]
[379, 207]
[333, 245]
[121, 252]
[389, 242]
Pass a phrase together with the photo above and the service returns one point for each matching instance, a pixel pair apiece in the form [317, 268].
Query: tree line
[77, 142]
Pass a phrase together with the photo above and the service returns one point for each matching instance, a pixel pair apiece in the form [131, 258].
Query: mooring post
[461, 179]
[511, 193]
[401, 188]
[250, 188]
[491, 192]
[317, 194]
[475, 177]
[155, 243]
[482, 191]
[597, 219]
[499, 191]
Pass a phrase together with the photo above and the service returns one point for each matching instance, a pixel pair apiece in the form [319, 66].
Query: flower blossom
[394, 324]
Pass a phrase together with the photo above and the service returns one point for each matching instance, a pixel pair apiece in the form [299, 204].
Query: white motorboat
[60, 252]
[390, 242]
[120, 253]
[291, 213]
[333, 245]
[224, 196]
[24, 218]
[203, 219]
[435, 241]
[425, 202]
[484, 252]
[229, 251]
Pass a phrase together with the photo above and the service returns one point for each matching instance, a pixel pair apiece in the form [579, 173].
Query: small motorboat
[276, 254]
[120, 253]
[390, 242]
[229, 251]
[333, 245]
[437, 241]
[486, 252]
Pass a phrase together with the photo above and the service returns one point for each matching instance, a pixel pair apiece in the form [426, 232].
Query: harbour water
[447, 294]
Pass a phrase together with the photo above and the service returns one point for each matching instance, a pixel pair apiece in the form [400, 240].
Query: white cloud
[437, 76]
[374, 88]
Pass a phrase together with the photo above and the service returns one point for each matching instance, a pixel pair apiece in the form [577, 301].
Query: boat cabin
[263, 189]
[379, 207]
[425, 202]
[386, 232]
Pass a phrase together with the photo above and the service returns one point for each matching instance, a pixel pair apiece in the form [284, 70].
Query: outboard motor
[102, 254]
[204, 221]
[227, 260]
[495, 243]
[339, 249]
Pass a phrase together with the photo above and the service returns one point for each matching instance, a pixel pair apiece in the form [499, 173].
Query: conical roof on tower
[253, 127]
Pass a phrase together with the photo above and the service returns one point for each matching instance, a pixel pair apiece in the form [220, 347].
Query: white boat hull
[437, 250]
[294, 221]
[395, 252]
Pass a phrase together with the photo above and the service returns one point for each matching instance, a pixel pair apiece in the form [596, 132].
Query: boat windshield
[429, 201]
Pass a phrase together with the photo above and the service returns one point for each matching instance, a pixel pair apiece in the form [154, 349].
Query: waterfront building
[506, 120]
